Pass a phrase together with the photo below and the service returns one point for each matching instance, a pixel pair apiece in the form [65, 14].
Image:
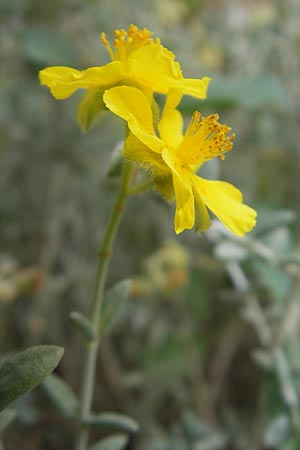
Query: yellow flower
[137, 60]
[173, 158]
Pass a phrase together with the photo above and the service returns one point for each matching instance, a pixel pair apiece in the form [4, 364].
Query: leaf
[276, 281]
[83, 324]
[115, 442]
[119, 422]
[257, 92]
[90, 108]
[25, 370]
[215, 442]
[6, 417]
[61, 395]
[113, 305]
[291, 444]
[49, 47]
[228, 250]
[194, 427]
[277, 432]
[273, 219]
[263, 90]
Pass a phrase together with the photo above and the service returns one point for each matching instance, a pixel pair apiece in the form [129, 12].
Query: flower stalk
[104, 253]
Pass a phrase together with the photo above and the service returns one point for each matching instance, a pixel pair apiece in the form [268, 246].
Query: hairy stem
[104, 254]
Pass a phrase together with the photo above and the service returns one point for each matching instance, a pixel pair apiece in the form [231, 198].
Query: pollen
[126, 42]
[205, 139]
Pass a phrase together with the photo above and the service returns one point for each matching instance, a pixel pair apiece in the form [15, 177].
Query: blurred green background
[207, 354]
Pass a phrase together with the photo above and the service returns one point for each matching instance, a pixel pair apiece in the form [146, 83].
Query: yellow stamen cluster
[205, 138]
[127, 41]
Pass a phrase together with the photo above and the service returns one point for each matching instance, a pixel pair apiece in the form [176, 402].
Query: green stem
[104, 254]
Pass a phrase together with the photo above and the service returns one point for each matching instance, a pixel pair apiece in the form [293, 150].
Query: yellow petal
[132, 105]
[108, 75]
[173, 99]
[127, 102]
[185, 209]
[194, 87]
[225, 201]
[170, 128]
[64, 81]
[155, 66]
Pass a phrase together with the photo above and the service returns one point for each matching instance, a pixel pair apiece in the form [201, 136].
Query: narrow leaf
[25, 370]
[115, 442]
[44, 46]
[83, 324]
[114, 421]
[61, 395]
[6, 418]
[277, 432]
[113, 305]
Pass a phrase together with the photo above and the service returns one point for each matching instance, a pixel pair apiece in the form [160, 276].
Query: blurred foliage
[206, 354]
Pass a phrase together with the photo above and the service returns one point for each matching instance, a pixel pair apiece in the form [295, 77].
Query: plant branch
[104, 255]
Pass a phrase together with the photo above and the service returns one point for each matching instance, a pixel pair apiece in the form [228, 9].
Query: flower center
[127, 41]
[204, 139]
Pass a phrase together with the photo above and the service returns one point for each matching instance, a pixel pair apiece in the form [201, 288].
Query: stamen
[132, 29]
[120, 45]
[205, 138]
[107, 45]
[127, 41]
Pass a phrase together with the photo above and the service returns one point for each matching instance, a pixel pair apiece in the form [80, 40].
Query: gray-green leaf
[61, 395]
[115, 442]
[45, 46]
[6, 417]
[113, 305]
[119, 422]
[25, 370]
[277, 432]
[83, 324]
